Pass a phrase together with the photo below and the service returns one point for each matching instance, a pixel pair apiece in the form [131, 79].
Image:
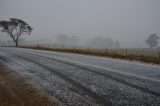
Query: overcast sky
[129, 21]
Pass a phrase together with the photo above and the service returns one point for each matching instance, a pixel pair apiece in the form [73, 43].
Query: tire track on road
[83, 90]
[157, 94]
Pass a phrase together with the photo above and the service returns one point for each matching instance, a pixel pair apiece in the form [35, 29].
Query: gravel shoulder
[14, 91]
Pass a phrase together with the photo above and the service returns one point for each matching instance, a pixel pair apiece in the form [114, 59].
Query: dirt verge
[14, 91]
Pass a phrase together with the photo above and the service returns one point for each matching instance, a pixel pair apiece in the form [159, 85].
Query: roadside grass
[102, 53]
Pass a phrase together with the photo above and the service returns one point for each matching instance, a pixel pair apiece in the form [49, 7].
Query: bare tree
[152, 40]
[15, 28]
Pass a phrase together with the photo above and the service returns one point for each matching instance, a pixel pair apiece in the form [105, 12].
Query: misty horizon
[129, 22]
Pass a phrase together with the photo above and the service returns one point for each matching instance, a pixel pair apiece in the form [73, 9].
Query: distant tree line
[95, 42]
[15, 28]
[101, 42]
[63, 39]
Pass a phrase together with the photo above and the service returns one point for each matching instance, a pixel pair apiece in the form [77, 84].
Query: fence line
[122, 51]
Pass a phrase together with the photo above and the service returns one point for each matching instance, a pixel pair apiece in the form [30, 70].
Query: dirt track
[14, 91]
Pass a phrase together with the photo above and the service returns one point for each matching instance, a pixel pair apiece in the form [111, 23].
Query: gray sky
[129, 21]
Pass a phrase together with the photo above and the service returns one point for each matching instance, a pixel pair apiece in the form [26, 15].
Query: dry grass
[109, 53]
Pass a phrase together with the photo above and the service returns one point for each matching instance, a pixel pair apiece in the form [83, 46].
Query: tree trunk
[16, 42]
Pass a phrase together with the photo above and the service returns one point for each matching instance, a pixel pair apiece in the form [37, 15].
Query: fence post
[159, 53]
[88, 49]
[74, 48]
[106, 51]
[126, 52]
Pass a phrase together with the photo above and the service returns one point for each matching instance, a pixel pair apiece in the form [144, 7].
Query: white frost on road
[86, 80]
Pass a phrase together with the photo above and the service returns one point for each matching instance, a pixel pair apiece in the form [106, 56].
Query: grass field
[143, 55]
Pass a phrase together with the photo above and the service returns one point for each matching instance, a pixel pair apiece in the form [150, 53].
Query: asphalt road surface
[79, 80]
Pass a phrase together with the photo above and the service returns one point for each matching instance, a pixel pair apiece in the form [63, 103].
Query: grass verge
[142, 58]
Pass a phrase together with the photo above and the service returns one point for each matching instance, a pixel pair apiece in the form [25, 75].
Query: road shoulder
[14, 91]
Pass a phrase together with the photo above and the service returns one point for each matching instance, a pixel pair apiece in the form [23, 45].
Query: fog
[84, 21]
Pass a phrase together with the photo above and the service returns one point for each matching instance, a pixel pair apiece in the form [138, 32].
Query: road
[79, 80]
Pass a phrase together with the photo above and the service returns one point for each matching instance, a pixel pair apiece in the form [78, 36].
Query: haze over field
[129, 21]
[80, 52]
